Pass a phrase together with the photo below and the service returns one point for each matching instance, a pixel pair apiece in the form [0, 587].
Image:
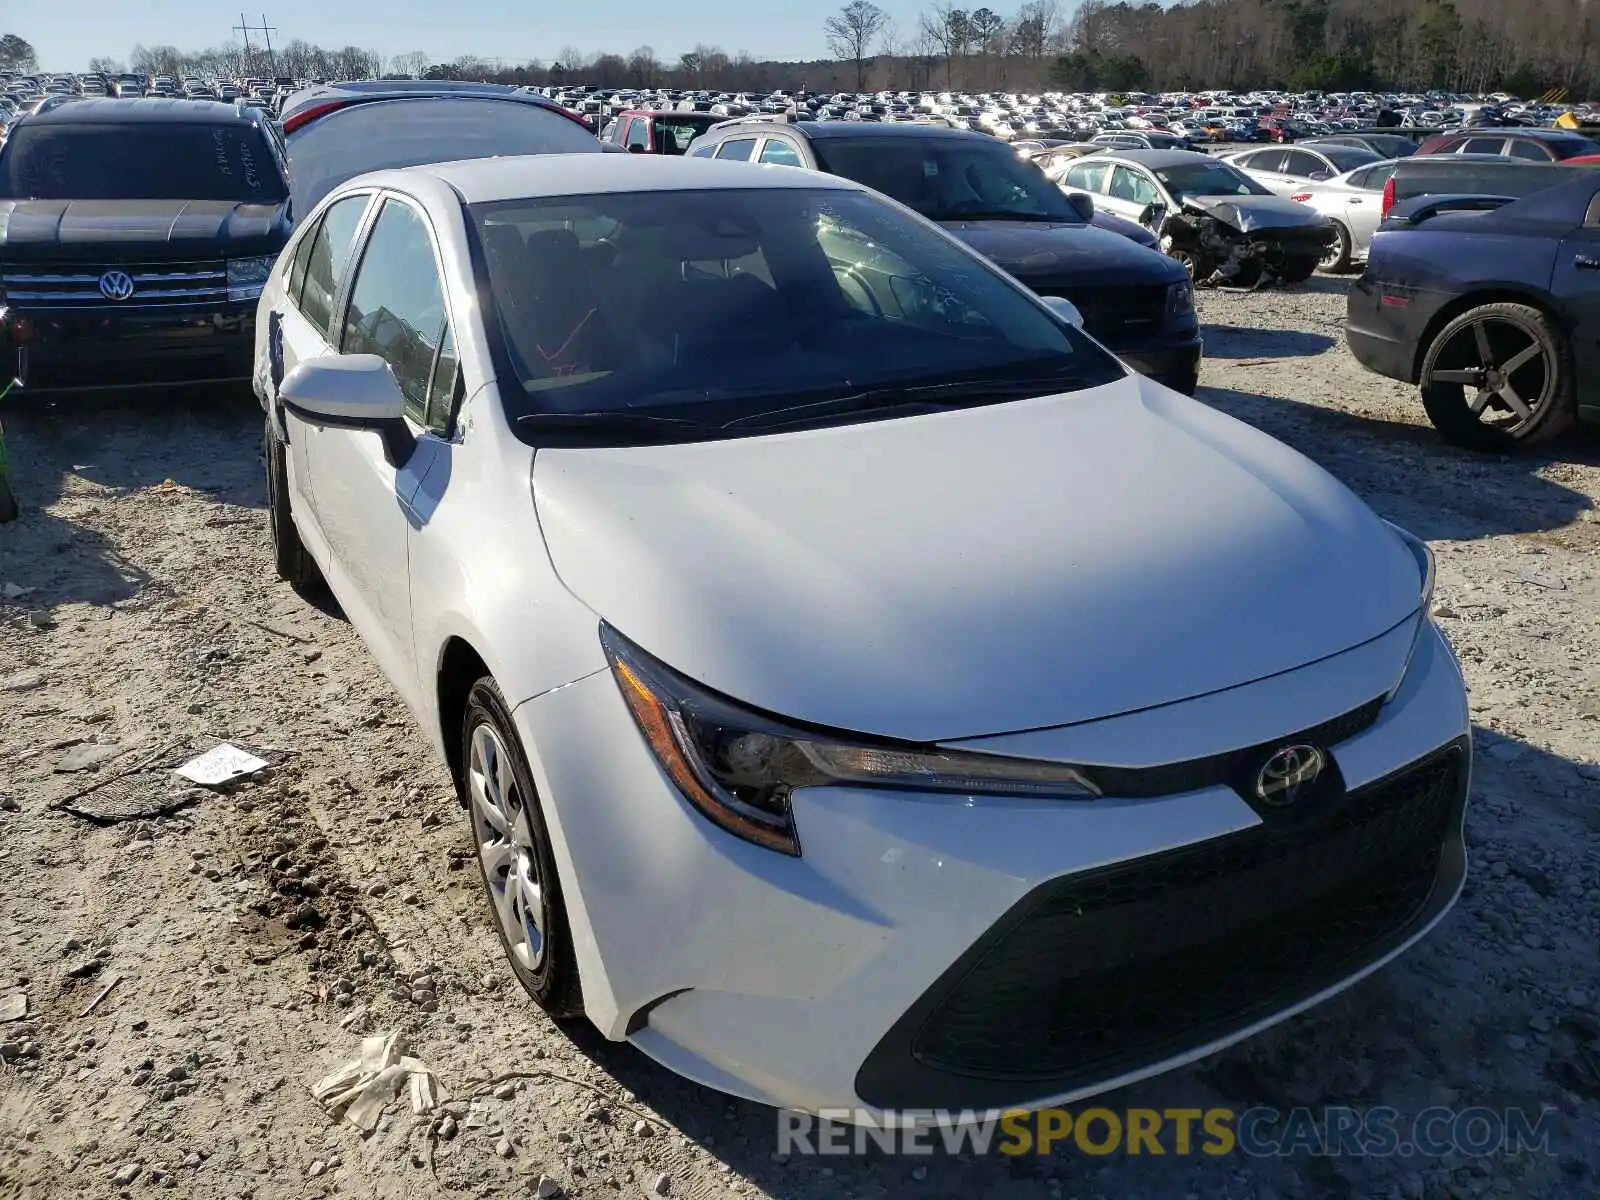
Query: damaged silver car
[1222, 225]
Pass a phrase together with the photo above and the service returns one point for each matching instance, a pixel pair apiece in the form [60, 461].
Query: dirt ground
[250, 939]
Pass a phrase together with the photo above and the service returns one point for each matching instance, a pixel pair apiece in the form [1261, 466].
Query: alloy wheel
[1504, 364]
[507, 847]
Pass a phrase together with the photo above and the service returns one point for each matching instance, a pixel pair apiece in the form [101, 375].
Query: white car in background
[1353, 201]
[1285, 170]
[865, 692]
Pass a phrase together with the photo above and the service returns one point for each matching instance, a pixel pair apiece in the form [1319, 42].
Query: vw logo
[116, 285]
[1287, 774]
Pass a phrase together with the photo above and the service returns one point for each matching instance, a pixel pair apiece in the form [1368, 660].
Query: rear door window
[739, 150]
[1088, 176]
[1480, 145]
[328, 258]
[1526, 148]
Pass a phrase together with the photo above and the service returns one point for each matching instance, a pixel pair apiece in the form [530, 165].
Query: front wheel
[289, 554]
[1499, 378]
[1299, 268]
[515, 860]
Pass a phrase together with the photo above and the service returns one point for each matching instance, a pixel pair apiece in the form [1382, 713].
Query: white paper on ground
[220, 764]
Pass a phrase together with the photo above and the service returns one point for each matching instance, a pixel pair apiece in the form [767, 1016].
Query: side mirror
[1319, 176]
[1152, 216]
[1083, 204]
[1065, 309]
[635, 148]
[351, 391]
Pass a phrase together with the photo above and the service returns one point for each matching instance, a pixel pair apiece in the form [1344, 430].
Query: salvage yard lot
[148, 618]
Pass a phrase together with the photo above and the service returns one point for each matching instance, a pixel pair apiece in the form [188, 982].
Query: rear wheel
[290, 556]
[515, 860]
[1336, 258]
[1498, 378]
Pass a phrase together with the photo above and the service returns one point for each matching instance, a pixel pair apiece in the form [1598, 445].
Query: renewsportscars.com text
[1255, 1132]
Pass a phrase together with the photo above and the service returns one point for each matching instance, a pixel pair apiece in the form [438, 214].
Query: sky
[66, 35]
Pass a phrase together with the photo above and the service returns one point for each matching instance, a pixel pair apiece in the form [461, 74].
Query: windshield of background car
[155, 161]
[1347, 158]
[717, 305]
[1208, 179]
[384, 134]
[674, 135]
[947, 179]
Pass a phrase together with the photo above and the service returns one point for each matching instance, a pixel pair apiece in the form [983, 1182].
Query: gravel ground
[251, 938]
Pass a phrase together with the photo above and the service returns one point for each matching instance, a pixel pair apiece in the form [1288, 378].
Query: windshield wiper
[1003, 215]
[620, 421]
[969, 392]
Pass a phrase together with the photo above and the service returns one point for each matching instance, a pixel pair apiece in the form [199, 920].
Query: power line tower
[245, 29]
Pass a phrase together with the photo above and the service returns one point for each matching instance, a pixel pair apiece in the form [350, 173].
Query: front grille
[70, 285]
[1139, 783]
[1104, 972]
[1110, 311]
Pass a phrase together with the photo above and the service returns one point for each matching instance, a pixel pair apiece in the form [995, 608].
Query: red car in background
[641, 132]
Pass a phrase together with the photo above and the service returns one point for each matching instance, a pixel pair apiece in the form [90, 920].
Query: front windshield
[1210, 178]
[163, 162]
[718, 305]
[946, 178]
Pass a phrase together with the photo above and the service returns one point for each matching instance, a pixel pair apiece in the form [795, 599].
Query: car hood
[982, 571]
[1054, 253]
[1247, 214]
[113, 230]
[1132, 230]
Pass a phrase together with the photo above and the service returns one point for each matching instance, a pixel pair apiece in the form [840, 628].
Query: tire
[1197, 264]
[1337, 259]
[1517, 366]
[1299, 267]
[515, 861]
[289, 555]
[1186, 382]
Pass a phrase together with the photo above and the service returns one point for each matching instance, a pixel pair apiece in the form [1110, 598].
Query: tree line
[1403, 45]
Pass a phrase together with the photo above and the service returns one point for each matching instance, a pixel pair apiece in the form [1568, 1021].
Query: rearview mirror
[1083, 204]
[1065, 309]
[351, 391]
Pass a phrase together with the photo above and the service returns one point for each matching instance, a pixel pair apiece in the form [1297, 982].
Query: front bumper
[61, 349]
[915, 956]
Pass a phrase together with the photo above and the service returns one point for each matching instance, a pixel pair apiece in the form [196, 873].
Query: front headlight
[248, 276]
[739, 768]
[1180, 298]
[1425, 568]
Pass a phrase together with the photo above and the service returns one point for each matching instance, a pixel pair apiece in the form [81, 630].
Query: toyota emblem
[1287, 774]
[116, 285]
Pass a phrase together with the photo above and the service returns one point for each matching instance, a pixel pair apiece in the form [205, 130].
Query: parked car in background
[1469, 175]
[1384, 145]
[1535, 145]
[1353, 202]
[1131, 298]
[1492, 314]
[657, 132]
[1283, 171]
[337, 131]
[1227, 228]
[1179, 755]
[134, 241]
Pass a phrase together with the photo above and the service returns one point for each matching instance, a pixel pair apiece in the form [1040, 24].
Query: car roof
[1158, 159]
[841, 130]
[405, 89]
[486, 180]
[144, 111]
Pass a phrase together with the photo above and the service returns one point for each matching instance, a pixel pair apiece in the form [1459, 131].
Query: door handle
[1586, 262]
[1355, 200]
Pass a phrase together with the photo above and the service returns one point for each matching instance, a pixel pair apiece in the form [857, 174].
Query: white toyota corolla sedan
[864, 691]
